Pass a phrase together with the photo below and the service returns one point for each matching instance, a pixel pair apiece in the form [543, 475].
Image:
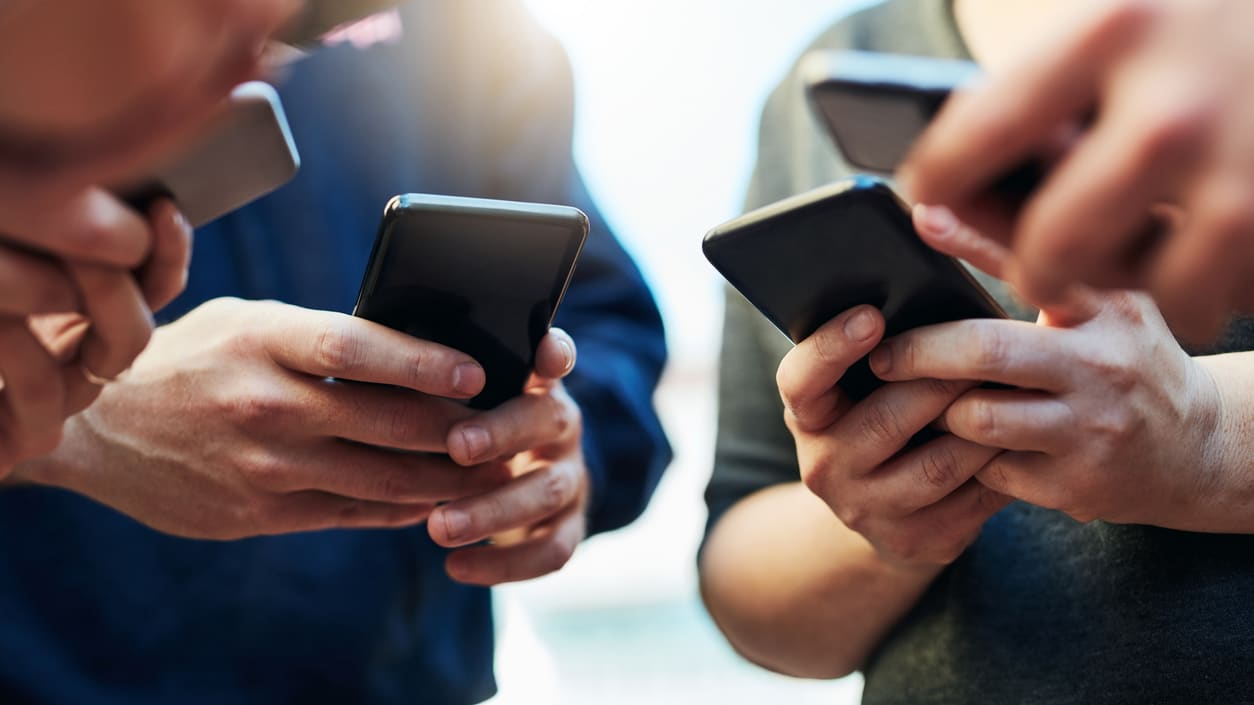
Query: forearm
[1227, 504]
[797, 592]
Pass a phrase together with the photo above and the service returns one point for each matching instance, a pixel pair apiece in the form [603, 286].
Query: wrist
[1222, 489]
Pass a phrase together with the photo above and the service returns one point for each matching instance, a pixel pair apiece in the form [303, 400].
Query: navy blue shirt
[95, 608]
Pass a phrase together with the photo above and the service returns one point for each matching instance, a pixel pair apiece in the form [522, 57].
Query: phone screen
[483, 277]
[806, 260]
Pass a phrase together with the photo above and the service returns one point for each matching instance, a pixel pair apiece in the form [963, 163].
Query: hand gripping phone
[807, 259]
[481, 276]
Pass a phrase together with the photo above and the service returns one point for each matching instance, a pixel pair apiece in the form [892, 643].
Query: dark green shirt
[1040, 609]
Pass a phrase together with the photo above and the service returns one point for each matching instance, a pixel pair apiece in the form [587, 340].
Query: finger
[121, 324]
[313, 511]
[547, 551]
[809, 373]
[527, 501]
[1013, 420]
[1024, 475]
[555, 357]
[927, 474]
[164, 275]
[878, 427]
[983, 133]
[326, 344]
[371, 474]
[1203, 269]
[33, 395]
[1008, 352]
[529, 422]
[381, 416]
[32, 284]
[1090, 212]
[90, 226]
[940, 229]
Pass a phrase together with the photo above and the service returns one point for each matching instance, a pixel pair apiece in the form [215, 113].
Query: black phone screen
[483, 277]
[806, 260]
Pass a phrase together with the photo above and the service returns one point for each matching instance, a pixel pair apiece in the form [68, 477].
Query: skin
[1165, 82]
[258, 418]
[57, 318]
[94, 92]
[1114, 404]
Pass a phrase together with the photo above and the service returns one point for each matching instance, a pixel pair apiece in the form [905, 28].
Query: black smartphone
[876, 105]
[247, 153]
[805, 260]
[481, 276]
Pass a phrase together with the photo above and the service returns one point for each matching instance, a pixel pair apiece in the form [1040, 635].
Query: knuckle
[264, 469]
[881, 423]
[338, 351]
[557, 554]
[395, 424]
[940, 467]
[255, 409]
[1173, 131]
[993, 351]
[984, 421]
[1116, 371]
[557, 490]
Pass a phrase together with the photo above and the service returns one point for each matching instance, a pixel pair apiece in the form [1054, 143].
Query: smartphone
[481, 276]
[245, 155]
[875, 106]
[807, 259]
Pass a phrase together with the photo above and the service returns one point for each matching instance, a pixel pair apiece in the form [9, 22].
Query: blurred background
[669, 95]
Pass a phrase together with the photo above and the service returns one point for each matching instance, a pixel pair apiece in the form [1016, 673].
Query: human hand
[119, 82]
[537, 519]
[918, 508]
[64, 326]
[229, 426]
[1166, 85]
[1109, 419]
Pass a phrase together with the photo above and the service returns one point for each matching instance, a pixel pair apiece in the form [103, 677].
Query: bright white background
[669, 94]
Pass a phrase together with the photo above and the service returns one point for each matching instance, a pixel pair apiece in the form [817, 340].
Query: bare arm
[796, 591]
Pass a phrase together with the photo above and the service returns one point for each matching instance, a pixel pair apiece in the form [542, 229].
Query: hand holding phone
[807, 259]
[481, 276]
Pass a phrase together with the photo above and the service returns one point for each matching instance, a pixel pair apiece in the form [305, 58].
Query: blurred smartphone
[805, 260]
[481, 276]
[875, 106]
[243, 156]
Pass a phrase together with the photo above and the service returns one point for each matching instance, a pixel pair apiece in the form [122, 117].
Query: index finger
[1006, 352]
[325, 344]
[89, 226]
[985, 132]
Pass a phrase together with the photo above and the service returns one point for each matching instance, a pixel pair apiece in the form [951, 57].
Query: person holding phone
[93, 92]
[1061, 540]
[264, 416]
[1139, 105]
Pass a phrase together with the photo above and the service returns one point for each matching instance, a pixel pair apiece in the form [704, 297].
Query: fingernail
[881, 360]
[456, 524]
[476, 440]
[568, 351]
[860, 326]
[938, 220]
[468, 379]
